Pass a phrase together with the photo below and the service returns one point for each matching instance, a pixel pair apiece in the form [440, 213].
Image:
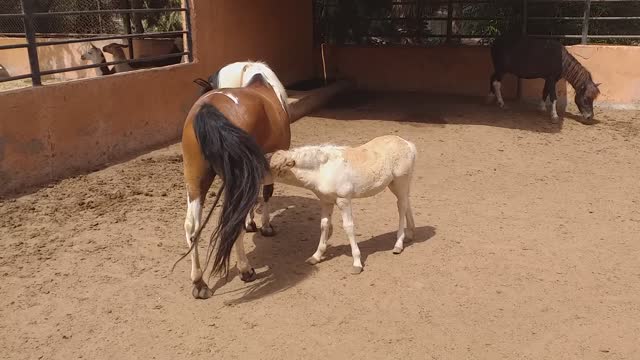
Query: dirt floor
[527, 248]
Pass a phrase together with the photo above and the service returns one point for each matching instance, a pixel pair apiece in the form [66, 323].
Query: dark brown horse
[531, 58]
[227, 133]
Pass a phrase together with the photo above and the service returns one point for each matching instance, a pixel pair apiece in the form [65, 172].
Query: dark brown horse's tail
[238, 159]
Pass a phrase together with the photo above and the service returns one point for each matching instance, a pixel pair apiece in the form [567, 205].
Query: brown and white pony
[531, 58]
[227, 133]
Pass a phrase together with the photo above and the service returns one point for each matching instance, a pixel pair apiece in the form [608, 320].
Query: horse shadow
[421, 109]
[280, 260]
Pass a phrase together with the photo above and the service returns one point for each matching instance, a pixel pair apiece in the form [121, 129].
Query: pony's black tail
[238, 159]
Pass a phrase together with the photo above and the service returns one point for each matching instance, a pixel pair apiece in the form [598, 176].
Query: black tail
[238, 159]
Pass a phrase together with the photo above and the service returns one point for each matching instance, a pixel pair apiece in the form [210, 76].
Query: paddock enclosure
[526, 243]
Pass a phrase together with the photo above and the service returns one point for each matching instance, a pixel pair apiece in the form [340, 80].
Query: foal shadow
[280, 260]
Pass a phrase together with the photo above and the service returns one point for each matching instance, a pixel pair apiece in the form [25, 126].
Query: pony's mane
[312, 156]
[258, 67]
[576, 74]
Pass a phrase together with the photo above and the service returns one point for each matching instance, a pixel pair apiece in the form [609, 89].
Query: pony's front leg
[267, 193]
[249, 224]
[247, 273]
[347, 224]
[191, 225]
[326, 229]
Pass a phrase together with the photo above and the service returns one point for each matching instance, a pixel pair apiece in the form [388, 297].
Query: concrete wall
[466, 71]
[58, 130]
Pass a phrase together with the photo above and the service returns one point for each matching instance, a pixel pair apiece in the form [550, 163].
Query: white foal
[338, 174]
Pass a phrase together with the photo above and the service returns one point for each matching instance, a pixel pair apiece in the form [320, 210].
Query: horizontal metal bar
[438, 18]
[111, 37]
[11, 16]
[580, 18]
[141, 61]
[17, 77]
[15, 46]
[114, 11]
[589, 36]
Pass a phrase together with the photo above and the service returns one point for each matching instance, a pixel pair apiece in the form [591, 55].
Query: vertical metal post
[127, 27]
[585, 22]
[449, 20]
[187, 19]
[525, 21]
[126, 19]
[32, 47]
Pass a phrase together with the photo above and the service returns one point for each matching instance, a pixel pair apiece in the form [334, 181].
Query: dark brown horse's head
[585, 95]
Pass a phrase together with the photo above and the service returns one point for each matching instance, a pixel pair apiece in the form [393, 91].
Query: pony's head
[585, 95]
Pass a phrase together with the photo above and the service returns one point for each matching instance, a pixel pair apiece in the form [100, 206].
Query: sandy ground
[527, 248]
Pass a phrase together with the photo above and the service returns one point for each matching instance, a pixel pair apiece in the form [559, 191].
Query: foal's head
[93, 54]
[280, 163]
[585, 95]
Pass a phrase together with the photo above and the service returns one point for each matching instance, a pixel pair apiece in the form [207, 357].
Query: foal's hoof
[397, 250]
[200, 290]
[267, 231]
[249, 276]
[312, 261]
[355, 270]
[251, 227]
[555, 119]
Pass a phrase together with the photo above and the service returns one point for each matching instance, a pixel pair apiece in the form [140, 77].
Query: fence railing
[446, 21]
[28, 17]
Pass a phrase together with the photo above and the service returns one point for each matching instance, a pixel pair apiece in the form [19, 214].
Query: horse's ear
[598, 85]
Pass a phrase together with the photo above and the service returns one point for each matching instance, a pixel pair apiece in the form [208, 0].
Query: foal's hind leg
[400, 188]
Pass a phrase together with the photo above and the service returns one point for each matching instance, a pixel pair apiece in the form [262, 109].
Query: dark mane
[572, 71]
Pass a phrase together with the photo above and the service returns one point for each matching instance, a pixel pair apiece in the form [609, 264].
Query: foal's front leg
[347, 224]
[267, 193]
[326, 229]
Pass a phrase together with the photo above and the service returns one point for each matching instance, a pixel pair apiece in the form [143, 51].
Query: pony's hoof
[397, 250]
[555, 119]
[355, 270]
[312, 261]
[267, 231]
[200, 290]
[249, 276]
[501, 105]
[251, 227]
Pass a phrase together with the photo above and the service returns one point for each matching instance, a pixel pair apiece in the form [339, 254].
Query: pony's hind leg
[545, 95]
[554, 100]
[347, 224]
[326, 229]
[400, 188]
[195, 202]
[267, 193]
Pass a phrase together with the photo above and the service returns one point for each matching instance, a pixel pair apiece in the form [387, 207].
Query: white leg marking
[347, 224]
[543, 106]
[326, 229]
[191, 226]
[554, 111]
[496, 88]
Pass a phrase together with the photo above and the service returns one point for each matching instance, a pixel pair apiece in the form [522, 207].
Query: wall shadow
[422, 109]
[280, 260]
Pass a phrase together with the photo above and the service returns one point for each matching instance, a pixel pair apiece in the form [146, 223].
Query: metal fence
[84, 21]
[435, 22]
